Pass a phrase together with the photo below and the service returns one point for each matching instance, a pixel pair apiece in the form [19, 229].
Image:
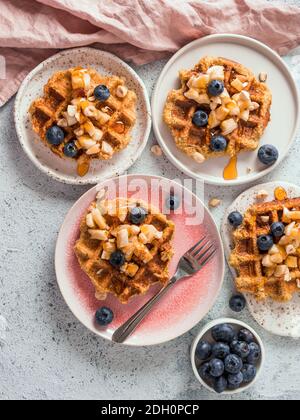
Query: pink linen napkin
[136, 30]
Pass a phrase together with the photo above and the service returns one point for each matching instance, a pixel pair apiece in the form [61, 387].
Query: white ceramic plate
[278, 318]
[205, 334]
[280, 132]
[64, 170]
[190, 299]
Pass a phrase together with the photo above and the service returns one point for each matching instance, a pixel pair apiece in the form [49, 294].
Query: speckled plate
[280, 132]
[64, 170]
[278, 318]
[186, 304]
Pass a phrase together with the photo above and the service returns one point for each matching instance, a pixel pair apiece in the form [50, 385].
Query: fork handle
[129, 326]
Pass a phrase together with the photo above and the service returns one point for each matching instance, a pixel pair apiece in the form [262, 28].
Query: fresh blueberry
[235, 219]
[277, 229]
[200, 118]
[231, 387]
[249, 372]
[265, 242]
[101, 93]
[241, 349]
[216, 87]
[220, 384]
[203, 350]
[70, 149]
[55, 135]
[255, 353]
[237, 303]
[137, 215]
[220, 350]
[117, 259]
[233, 364]
[218, 143]
[235, 379]
[268, 154]
[173, 202]
[245, 335]
[204, 371]
[216, 368]
[223, 332]
[104, 316]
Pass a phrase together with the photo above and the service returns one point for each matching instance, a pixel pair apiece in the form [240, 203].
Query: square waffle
[114, 118]
[274, 274]
[248, 127]
[146, 261]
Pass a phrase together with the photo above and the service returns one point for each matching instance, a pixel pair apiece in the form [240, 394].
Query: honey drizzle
[119, 127]
[230, 171]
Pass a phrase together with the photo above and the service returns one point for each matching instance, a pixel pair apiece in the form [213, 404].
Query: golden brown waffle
[246, 258]
[108, 279]
[179, 111]
[58, 94]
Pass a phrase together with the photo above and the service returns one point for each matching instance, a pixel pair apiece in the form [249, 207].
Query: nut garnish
[156, 150]
[121, 91]
[198, 157]
[263, 76]
[214, 202]
[262, 195]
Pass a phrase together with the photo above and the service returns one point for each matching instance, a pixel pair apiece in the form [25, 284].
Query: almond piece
[156, 150]
[263, 76]
[100, 235]
[262, 195]
[198, 157]
[121, 91]
[214, 202]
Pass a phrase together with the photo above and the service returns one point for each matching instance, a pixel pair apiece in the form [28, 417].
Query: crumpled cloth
[136, 30]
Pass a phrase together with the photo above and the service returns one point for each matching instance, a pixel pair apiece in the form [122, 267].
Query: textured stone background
[48, 354]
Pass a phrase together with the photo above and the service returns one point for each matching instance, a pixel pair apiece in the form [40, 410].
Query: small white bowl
[205, 334]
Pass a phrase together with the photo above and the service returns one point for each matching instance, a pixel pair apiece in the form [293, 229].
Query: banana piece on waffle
[241, 113]
[273, 274]
[98, 129]
[147, 249]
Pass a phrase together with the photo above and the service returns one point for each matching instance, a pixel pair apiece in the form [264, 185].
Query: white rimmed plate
[253, 54]
[186, 304]
[64, 170]
[278, 318]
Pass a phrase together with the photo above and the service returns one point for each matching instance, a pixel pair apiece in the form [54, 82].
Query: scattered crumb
[262, 194]
[214, 202]
[265, 219]
[263, 77]
[198, 157]
[249, 170]
[156, 150]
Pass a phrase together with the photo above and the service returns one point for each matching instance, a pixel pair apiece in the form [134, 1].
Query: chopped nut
[276, 258]
[262, 194]
[94, 150]
[62, 122]
[90, 221]
[198, 157]
[281, 270]
[99, 219]
[100, 235]
[214, 202]
[290, 249]
[267, 262]
[121, 91]
[292, 262]
[122, 238]
[249, 170]
[265, 219]
[288, 230]
[106, 148]
[263, 76]
[156, 150]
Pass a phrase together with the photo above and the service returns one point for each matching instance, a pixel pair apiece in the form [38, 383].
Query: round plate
[278, 318]
[190, 299]
[281, 130]
[64, 170]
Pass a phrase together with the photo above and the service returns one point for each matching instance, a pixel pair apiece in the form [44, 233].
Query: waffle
[114, 118]
[249, 127]
[254, 275]
[145, 264]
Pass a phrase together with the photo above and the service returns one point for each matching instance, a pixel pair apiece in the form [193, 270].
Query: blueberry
[216, 368]
[245, 335]
[220, 384]
[220, 350]
[104, 316]
[55, 135]
[137, 215]
[200, 118]
[237, 303]
[233, 364]
[216, 87]
[265, 242]
[255, 353]
[235, 219]
[268, 154]
[101, 93]
[223, 332]
[231, 387]
[204, 371]
[117, 259]
[70, 149]
[218, 143]
[277, 229]
[235, 379]
[249, 372]
[173, 202]
[240, 348]
[203, 350]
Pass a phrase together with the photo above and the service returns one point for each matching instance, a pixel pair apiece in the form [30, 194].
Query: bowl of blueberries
[227, 356]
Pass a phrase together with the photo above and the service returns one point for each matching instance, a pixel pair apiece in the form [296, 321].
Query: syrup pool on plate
[230, 171]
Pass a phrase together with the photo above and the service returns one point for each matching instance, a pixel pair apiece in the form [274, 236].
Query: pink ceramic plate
[186, 304]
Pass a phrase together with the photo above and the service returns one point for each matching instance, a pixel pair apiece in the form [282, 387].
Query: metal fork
[190, 263]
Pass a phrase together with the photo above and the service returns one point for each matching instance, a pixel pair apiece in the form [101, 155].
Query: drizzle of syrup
[230, 171]
[119, 127]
